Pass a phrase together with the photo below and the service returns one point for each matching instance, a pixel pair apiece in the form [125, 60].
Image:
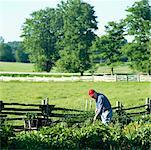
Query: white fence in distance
[105, 78]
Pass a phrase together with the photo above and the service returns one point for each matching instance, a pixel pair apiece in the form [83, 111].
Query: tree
[138, 25]
[79, 22]
[6, 53]
[18, 51]
[108, 47]
[39, 38]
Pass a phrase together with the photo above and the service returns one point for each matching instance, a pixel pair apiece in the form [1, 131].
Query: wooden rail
[146, 106]
[120, 107]
[43, 112]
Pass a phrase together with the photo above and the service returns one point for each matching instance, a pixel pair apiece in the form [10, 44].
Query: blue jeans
[106, 116]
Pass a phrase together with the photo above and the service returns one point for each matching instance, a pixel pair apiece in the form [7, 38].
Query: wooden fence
[120, 107]
[36, 115]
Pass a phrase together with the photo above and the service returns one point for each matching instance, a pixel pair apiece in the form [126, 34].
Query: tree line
[65, 37]
[13, 52]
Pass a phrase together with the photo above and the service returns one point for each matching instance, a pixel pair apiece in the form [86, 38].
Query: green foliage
[121, 118]
[138, 135]
[92, 136]
[138, 20]
[29, 141]
[6, 132]
[39, 38]
[6, 53]
[79, 22]
[12, 51]
[137, 52]
[30, 116]
[108, 47]
[138, 25]
[18, 51]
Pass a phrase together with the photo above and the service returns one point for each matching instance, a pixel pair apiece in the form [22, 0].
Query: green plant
[6, 132]
[31, 116]
[121, 118]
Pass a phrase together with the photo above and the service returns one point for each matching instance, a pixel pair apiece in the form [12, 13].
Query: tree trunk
[48, 66]
[81, 73]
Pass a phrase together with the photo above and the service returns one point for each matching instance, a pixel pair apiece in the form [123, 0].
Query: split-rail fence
[34, 116]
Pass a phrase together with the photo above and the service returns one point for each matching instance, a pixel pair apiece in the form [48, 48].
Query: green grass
[74, 94]
[119, 69]
[16, 67]
[27, 67]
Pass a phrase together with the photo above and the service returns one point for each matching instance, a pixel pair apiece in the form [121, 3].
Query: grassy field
[16, 67]
[27, 67]
[74, 94]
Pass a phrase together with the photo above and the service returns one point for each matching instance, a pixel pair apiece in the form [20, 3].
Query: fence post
[42, 102]
[90, 104]
[86, 105]
[47, 106]
[148, 105]
[118, 106]
[116, 77]
[46, 101]
[127, 77]
[138, 77]
[1, 105]
[121, 106]
[43, 108]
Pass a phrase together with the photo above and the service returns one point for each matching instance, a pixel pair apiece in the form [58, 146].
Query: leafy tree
[21, 56]
[138, 61]
[39, 38]
[6, 53]
[108, 47]
[18, 51]
[79, 22]
[138, 25]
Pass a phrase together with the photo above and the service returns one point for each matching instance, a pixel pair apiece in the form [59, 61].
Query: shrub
[6, 132]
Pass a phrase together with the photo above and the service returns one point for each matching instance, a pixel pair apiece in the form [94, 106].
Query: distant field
[16, 67]
[74, 94]
[27, 67]
[123, 69]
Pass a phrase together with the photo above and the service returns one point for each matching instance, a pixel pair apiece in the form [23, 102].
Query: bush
[135, 135]
[6, 132]
[138, 135]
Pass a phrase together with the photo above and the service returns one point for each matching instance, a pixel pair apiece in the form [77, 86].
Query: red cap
[91, 92]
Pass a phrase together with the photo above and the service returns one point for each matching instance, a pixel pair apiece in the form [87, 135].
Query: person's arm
[99, 108]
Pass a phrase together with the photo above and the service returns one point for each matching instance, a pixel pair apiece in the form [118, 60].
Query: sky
[14, 12]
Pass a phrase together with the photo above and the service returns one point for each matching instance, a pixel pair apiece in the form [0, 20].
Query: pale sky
[14, 12]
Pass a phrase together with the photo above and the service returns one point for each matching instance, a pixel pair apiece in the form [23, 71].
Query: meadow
[16, 67]
[29, 67]
[74, 94]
